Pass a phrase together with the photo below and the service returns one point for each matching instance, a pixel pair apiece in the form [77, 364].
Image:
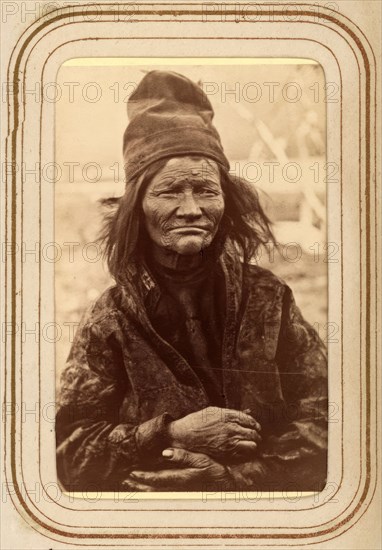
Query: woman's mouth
[190, 229]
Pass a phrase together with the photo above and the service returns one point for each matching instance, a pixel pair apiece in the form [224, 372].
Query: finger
[248, 421]
[175, 477]
[245, 448]
[247, 434]
[242, 418]
[130, 484]
[186, 459]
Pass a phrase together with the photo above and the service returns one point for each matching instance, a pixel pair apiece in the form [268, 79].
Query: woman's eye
[206, 192]
[173, 193]
[165, 194]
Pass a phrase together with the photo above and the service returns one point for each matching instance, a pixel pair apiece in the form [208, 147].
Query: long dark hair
[244, 221]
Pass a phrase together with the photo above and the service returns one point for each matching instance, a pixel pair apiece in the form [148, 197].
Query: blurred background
[271, 116]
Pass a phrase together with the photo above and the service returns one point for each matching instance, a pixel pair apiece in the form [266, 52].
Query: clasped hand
[199, 440]
[186, 471]
[218, 433]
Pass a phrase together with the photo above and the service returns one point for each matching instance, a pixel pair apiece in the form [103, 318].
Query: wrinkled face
[183, 205]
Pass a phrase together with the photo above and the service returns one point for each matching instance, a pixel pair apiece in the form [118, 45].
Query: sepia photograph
[192, 279]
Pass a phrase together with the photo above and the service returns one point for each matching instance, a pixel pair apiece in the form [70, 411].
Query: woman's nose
[188, 207]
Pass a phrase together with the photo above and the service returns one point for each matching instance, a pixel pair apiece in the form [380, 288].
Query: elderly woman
[196, 371]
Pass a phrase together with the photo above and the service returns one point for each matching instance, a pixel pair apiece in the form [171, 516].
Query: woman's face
[183, 205]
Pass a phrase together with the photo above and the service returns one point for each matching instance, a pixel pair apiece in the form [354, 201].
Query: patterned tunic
[123, 382]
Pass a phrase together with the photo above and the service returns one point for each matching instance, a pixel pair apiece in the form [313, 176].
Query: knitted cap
[169, 116]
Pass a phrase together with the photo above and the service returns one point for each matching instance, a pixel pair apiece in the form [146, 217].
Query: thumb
[184, 459]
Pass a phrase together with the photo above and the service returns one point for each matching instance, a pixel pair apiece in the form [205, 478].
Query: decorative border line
[205, 509]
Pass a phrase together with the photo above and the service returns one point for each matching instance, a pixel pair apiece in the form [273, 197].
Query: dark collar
[141, 286]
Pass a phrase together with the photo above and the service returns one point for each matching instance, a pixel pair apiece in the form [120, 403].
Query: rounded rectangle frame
[107, 30]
